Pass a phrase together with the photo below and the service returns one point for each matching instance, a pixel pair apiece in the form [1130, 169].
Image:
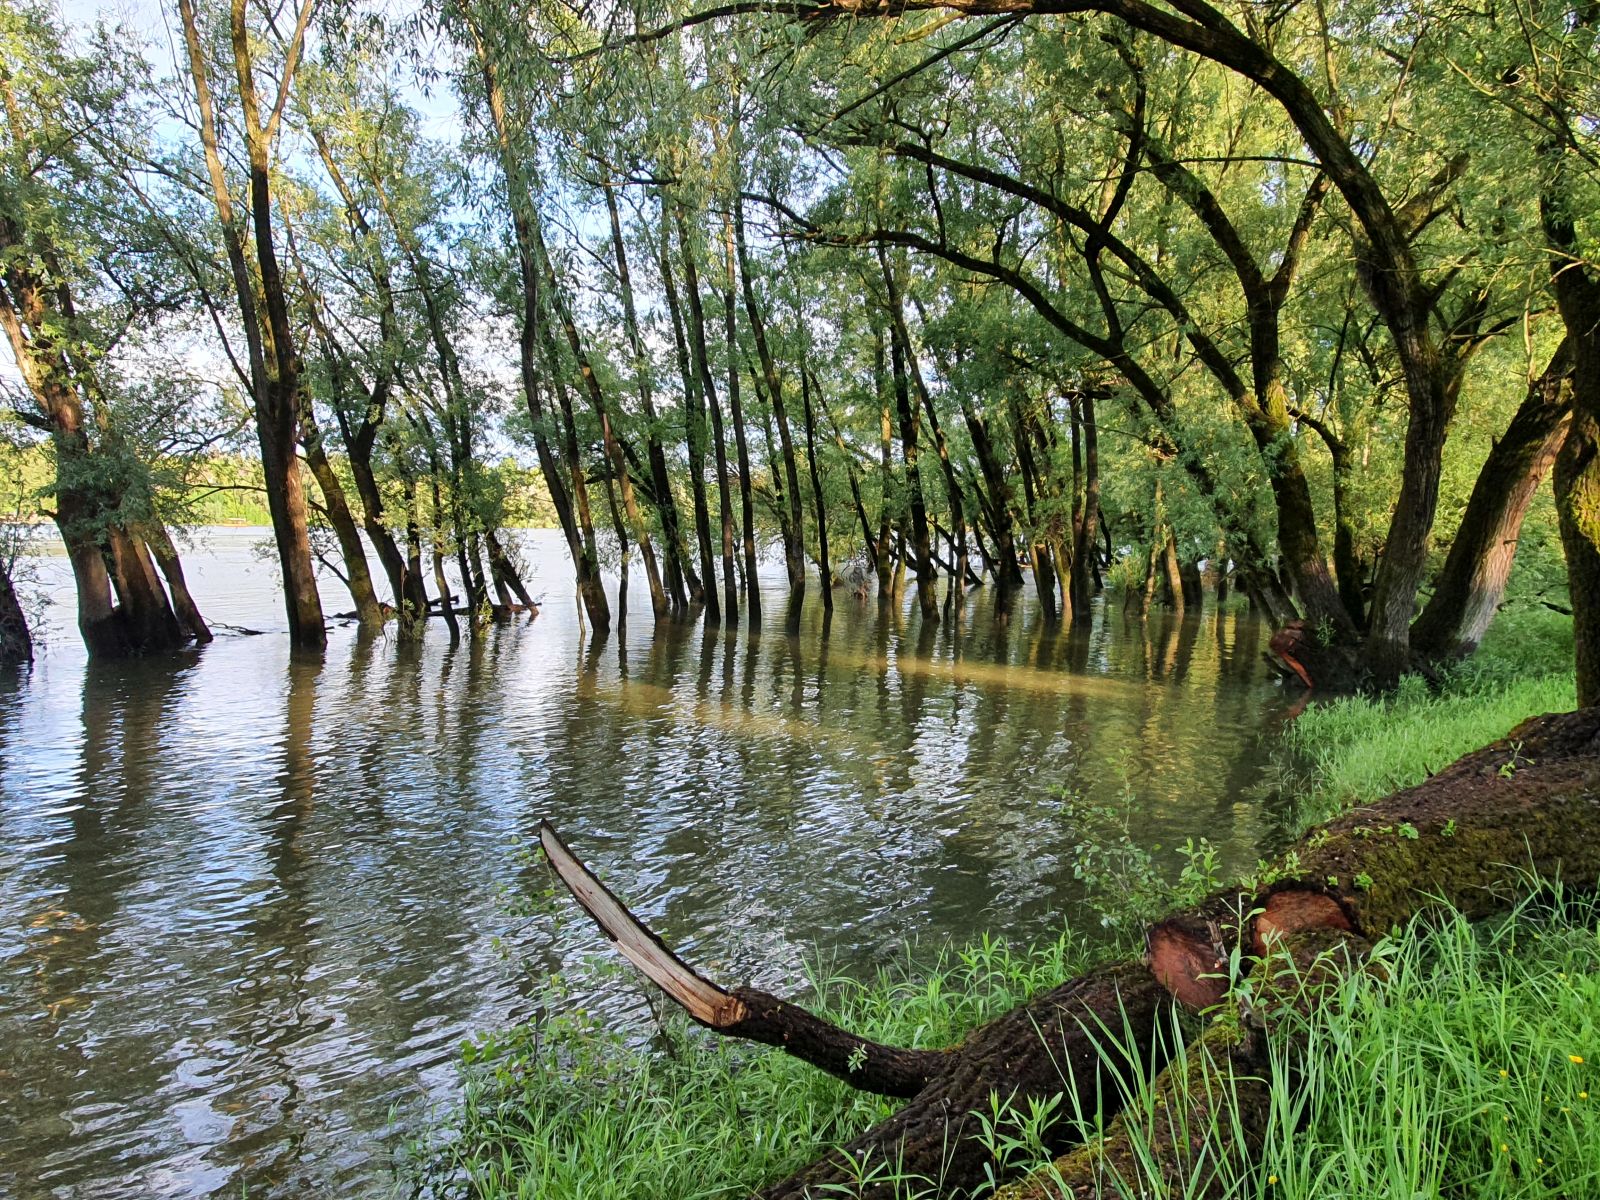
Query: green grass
[1360, 749]
[1465, 1069]
[572, 1109]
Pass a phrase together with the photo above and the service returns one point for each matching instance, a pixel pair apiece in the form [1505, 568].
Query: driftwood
[1526, 807]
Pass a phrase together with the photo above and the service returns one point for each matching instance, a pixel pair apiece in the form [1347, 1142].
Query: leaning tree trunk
[1469, 836]
[166, 555]
[1468, 591]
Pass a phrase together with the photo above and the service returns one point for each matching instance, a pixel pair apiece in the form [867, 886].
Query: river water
[250, 905]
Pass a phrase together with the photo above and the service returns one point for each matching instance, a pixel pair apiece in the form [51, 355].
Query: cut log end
[1186, 957]
[1296, 910]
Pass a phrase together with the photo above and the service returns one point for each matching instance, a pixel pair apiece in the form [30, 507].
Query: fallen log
[1068, 1038]
[1524, 808]
[1207, 1114]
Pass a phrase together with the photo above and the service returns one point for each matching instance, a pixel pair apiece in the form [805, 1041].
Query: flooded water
[251, 905]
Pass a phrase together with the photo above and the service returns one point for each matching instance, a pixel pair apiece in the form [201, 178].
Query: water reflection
[249, 900]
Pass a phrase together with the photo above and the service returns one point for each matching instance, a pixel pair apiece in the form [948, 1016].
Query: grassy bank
[1456, 1075]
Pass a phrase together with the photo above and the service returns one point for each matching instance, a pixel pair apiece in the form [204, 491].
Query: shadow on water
[251, 901]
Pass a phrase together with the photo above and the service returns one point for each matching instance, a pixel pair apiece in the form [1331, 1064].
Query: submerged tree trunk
[708, 388]
[16, 643]
[358, 576]
[275, 363]
[194, 625]
[824, 566]
[704, 589]
[660, 481]
[790, 512]
[900, 355]
[747, 514]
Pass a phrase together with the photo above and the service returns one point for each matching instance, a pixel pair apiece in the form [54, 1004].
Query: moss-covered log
[1202, 1123]
[1525, 808]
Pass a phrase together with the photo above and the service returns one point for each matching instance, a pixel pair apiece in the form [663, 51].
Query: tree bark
[703, 590]
[159, 541]
[1577, 469]
[819, 508]
[791, 514]
[708, 388]
[900, 354]
[358, 576]
[660, 481]
[1468, 590]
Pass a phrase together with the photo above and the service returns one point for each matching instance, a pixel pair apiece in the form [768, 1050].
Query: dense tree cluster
[1088, 291]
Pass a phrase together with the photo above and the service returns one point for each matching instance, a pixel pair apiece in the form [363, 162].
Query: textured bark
[660, 483]
[159, 541]
[708, 389]
[572, 506]
[790, 513]
[703, 590]
[358, 575]
[819, 508]
[1577, 470]
[747, 512]
[1469, 589]
[1085, 531]
[1210, 1109]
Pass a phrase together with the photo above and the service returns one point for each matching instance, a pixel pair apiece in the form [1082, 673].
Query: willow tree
[84, 280]
[261, 291]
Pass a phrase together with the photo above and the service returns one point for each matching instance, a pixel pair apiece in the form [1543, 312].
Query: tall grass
[1465, 1069]
[1360, 749]
[572, 1109]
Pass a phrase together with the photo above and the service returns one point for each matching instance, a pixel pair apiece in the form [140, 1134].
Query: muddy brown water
[251, 906]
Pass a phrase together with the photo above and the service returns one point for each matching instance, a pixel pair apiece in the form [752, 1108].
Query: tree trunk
[660, 481]
[747, 515]
[1085, 532]
[274, 355]
[703, 590]
[572, 508]
[16, 644]
[358, 576]
[1577, 468]
[824, 566]
[708, 388]
[1172, 583]
[166, 555]
[447, 602]
[1472, 836]
[1468, 590]
[791, 514]
[615, 458]
[900, 353]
